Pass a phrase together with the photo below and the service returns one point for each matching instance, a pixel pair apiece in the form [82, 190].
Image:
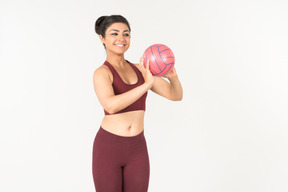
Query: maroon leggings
[120, 164]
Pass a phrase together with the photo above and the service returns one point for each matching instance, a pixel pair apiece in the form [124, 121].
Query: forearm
[121, 101]
[176, 90]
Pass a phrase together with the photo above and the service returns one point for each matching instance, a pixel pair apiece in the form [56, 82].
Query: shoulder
[102, 72]
[102, 69]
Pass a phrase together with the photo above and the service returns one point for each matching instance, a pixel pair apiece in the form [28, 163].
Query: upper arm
[103, 85]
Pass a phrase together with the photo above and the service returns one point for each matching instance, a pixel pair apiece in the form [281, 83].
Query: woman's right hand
[146, 73]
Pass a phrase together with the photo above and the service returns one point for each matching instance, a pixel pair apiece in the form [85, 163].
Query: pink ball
[161, 59]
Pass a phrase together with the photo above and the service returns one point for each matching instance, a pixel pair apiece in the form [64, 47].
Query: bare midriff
[124, 124]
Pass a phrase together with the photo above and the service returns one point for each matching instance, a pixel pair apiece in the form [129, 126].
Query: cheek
[128, 43]
[110, 41]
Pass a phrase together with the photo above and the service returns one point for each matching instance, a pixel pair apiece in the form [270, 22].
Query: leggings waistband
[113, 136]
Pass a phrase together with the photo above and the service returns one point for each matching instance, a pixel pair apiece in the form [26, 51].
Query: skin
[117, 42]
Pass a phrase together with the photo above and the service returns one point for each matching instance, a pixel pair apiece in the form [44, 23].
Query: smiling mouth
[119, 45]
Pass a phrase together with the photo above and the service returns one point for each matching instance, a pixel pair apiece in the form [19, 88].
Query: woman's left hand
[171, 74]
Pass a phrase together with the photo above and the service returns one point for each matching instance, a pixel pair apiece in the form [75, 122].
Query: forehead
[118, 26]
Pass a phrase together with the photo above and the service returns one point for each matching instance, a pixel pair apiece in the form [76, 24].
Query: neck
[116, 59]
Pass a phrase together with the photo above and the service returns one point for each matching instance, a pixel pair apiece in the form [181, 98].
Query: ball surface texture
[161, 59]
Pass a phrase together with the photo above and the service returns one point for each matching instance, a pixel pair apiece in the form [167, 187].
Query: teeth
[119, 45]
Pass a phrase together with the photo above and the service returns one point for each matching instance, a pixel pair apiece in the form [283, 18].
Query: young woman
[120, 156]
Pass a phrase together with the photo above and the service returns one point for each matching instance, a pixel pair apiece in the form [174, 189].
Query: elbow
[181, 97]
[110, 109]
[110, 112]
[177, 99]
[176, 96]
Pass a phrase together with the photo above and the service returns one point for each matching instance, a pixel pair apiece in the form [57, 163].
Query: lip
[120, 45]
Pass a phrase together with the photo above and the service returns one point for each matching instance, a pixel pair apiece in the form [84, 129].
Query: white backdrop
[229, 133]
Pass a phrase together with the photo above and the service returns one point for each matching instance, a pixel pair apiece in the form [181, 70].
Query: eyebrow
[118, 30]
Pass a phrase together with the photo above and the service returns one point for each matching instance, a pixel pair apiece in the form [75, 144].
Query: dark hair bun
[103, 22]
[98, 24]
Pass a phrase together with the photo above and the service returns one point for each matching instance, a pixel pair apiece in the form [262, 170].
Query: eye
[126, 34]
[115, 34]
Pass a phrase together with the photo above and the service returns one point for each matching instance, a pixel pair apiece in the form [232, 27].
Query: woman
[120, 156]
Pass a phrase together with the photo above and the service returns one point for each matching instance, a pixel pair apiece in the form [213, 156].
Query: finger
[147, 64]
[148, 68]
[141, 63]
[174, 70]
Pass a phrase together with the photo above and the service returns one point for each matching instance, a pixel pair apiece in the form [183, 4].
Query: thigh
[107, 179]
[136, 172]
[106, 168]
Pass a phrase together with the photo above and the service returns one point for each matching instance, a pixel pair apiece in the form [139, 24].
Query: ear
[101, 38]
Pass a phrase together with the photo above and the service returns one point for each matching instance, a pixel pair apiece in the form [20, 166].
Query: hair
[103, 22]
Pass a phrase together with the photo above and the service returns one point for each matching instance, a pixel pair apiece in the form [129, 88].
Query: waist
[109, 136]
[124, 124]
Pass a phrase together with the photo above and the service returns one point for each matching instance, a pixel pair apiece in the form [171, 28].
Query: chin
[120, 52]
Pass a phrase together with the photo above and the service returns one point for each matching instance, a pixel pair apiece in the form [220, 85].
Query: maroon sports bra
[119, 87]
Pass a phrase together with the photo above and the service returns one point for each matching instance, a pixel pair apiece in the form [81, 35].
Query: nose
[120, 38]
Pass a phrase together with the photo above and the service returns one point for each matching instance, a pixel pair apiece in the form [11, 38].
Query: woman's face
[117, 38]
